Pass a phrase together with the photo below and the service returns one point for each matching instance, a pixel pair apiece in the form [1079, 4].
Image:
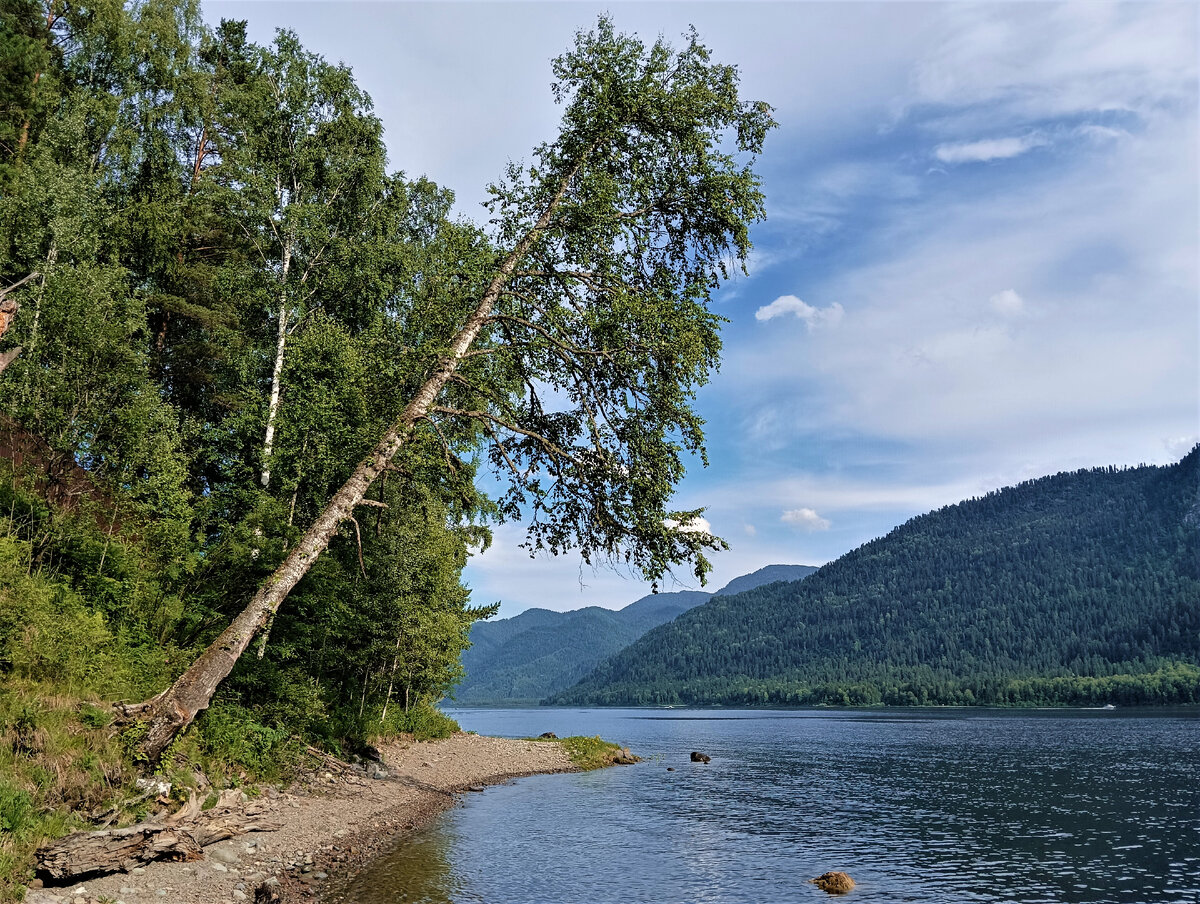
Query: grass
[588, 753]
[56, 768]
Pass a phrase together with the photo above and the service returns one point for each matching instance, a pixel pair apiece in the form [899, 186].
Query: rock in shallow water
[836, 883]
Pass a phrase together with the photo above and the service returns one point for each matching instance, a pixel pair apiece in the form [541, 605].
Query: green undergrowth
[423, 722]
[89, 617]
[61, 767]
[588, 753]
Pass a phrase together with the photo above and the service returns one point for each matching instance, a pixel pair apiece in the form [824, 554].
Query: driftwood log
[93, 853]
[180, 836]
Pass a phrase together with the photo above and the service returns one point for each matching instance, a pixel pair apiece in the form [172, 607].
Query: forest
[539, 652]
[1076, 589]
[251, 376]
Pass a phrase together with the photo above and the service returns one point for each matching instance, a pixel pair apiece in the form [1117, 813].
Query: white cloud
[1008, 303]
[1115, 233]
[1179, 446]
[790, 304]
[695, 526]
[1102, 133]
[1020, 61]
[750, 530]
[988, 149]
[806, 519]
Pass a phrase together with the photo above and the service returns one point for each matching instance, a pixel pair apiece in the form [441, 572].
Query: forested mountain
[538, 652]
[1080, 588]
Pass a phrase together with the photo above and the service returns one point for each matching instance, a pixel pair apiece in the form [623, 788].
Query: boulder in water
[624, 758]
[698, 757]
[836, 883]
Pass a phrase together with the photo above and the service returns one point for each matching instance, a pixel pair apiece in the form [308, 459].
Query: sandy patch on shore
[330, 825]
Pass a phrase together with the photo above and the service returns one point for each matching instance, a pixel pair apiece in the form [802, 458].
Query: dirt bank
[330, 825]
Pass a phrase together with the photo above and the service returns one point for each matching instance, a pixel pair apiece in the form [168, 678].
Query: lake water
[1078, 807]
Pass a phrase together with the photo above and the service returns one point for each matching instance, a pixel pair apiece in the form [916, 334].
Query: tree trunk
[277, 373]
[97, 853]
[174, 709]
[9, 357]
[177, 837]
[8, 312]
[387, 700]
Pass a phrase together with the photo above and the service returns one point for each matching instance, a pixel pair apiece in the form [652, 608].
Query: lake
[957, 805]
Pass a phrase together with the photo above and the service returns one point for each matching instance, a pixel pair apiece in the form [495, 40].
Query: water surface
[1077, 807]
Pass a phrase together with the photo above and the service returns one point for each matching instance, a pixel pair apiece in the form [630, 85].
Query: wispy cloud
[1007, 303]
[812, 316]
[986, 150]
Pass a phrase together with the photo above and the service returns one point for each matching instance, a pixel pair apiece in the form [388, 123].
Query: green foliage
[53, 767]
[232, 740]
[622, 227]
[192, 193]
[588, 753]
[1075, 589]
[423, 722]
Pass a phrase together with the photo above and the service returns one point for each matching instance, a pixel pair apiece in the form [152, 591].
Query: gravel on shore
[331, 825]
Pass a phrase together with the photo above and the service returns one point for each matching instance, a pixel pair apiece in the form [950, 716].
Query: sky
[979, 264]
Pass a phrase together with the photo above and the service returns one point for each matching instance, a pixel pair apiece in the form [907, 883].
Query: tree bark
[8, 312]
[172, 711]
[177, 837]
[97, 853]
[277, 372]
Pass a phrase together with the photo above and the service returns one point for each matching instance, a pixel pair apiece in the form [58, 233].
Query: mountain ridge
[539, 651]
[1046, 592]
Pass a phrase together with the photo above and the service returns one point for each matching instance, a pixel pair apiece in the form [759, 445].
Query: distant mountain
[1081, 588]
[537, 653]
[769, 574]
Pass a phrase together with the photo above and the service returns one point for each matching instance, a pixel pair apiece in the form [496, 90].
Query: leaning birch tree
[579, 357]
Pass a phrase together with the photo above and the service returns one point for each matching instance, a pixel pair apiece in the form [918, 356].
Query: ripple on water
[1003, 807]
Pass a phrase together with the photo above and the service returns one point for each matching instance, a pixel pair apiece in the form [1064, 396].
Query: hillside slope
[1047, 592]
[539, 652]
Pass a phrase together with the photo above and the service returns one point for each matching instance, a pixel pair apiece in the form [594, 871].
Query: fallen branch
[91, 853]
[180, 836]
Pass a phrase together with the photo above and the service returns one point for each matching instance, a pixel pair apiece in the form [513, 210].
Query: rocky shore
[329, 825]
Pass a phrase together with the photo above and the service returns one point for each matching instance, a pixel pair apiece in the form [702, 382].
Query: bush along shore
[293, 843]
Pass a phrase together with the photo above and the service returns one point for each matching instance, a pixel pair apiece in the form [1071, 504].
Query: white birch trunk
[277, 372]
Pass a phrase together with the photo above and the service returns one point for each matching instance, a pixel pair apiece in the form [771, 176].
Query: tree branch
[554, 448]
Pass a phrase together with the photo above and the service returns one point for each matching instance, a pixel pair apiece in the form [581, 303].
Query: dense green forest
[1081, 588]
[539, 652]
[249, 375]
[210, 341]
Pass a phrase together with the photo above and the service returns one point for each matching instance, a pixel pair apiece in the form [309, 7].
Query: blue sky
[980, 263]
